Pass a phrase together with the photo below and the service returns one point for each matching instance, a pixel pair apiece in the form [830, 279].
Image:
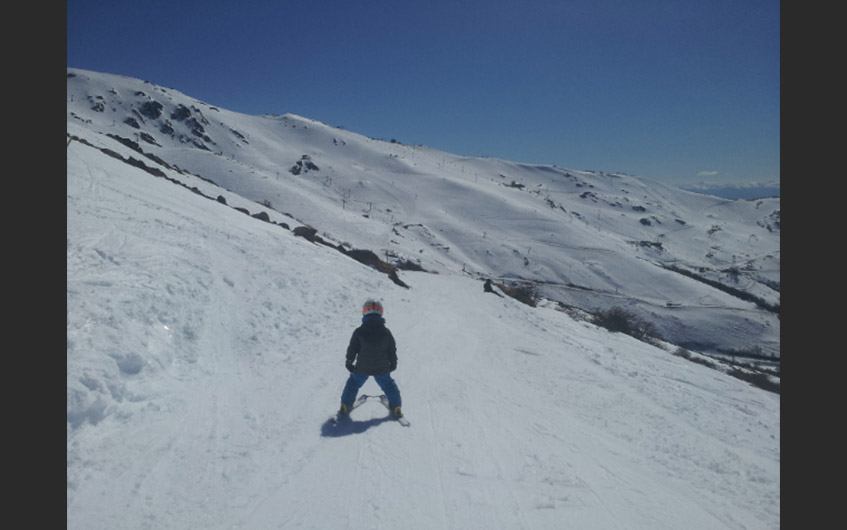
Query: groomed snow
[205, 352]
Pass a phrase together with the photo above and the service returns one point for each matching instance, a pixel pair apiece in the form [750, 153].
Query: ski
[338, 416]
[400, 419]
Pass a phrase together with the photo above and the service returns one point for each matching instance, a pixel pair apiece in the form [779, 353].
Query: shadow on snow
[347, 426]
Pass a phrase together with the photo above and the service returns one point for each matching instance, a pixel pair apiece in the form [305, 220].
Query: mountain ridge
[586, 239]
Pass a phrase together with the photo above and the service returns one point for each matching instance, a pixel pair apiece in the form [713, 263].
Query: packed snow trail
[206, 350]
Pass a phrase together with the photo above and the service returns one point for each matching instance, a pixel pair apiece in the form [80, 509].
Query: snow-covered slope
[589, 240]
[205, 351]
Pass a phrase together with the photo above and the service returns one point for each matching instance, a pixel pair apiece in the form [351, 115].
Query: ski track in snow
[206, 350]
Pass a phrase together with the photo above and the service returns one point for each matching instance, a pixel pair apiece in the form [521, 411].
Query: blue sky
[675, 90]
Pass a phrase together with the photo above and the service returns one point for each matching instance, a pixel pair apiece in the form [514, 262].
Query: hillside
[703, 270]
[205, 349]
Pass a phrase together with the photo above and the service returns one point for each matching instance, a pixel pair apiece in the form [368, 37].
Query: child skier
[371, 352]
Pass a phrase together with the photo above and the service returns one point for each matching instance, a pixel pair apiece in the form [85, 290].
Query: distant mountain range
[747, 192]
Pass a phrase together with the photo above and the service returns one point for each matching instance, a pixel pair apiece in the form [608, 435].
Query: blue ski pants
[385, 382]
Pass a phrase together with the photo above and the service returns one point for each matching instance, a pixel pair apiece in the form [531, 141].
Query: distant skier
[371, 352]
[489, 289]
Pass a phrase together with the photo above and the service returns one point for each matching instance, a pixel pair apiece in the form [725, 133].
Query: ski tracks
[483, 469]
[470, 463]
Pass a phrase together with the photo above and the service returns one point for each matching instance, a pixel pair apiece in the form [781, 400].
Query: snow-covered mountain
[205, 346]
[591, 240]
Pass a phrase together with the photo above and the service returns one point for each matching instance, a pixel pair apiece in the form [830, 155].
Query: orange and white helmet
[372, 307]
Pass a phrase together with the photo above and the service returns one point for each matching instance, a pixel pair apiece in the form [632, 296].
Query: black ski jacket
[372, 350]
